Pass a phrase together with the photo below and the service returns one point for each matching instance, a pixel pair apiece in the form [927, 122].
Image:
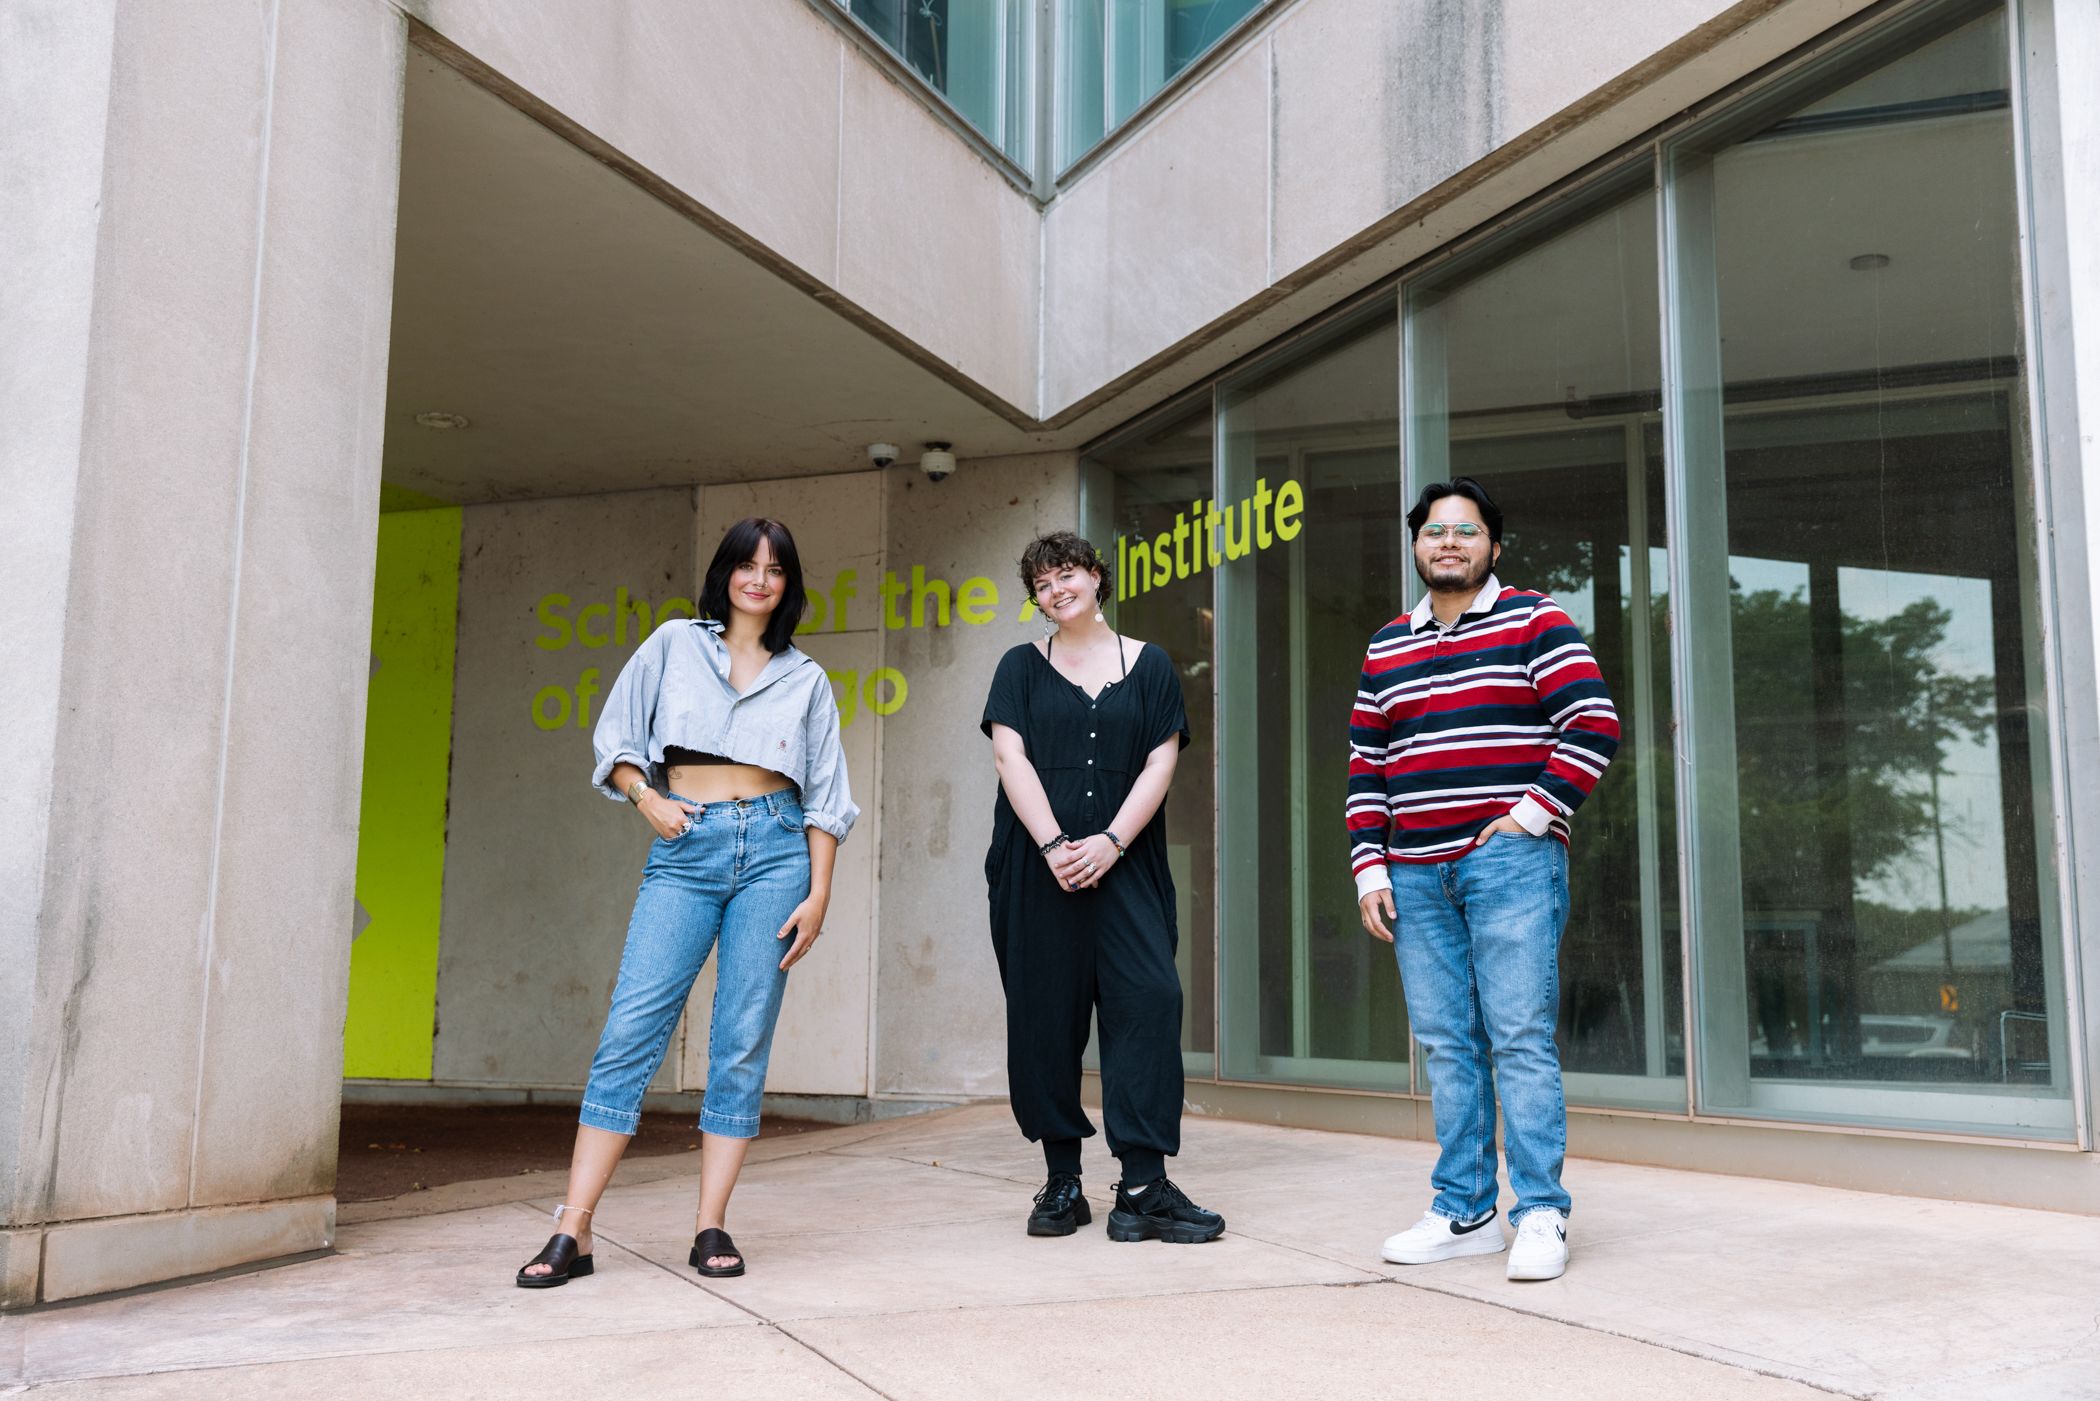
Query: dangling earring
[1049, 626]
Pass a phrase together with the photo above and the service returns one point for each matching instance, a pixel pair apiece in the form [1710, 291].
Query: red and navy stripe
[1454, 728]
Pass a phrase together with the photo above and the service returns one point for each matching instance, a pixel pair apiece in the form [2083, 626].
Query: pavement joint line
[1452, 1292]
[700, 1283]
[950, 1310]
[804, 1343]
[878, 1230]
[985, 1173]
[166, 1286]
[1732, 1359]
[1370, 1277]
[339, 1355]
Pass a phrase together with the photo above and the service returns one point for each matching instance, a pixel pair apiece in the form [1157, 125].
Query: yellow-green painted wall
[401, 831]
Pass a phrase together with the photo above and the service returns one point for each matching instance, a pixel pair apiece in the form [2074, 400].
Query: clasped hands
[1080, 864]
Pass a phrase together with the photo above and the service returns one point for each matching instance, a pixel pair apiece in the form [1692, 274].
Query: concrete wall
[1345, 140]
[827, 1018]
[1339, 142]
[941, 1021]
[769, 124]
[54, 112]
[541, 870]
[210, 254]
[900, 998]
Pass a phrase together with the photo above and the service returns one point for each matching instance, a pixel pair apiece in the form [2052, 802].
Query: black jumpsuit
[1062, 954]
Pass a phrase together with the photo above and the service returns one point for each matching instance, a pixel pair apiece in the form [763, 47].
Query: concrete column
[197, 243]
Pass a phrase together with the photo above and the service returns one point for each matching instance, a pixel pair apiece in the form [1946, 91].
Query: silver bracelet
[638, 783]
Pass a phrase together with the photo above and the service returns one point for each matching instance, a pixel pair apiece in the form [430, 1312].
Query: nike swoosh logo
[1458, 1230]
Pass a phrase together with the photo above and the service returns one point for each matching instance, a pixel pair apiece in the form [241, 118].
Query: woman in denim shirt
[740, 729]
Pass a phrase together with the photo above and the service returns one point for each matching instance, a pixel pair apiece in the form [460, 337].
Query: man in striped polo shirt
[1481, 723]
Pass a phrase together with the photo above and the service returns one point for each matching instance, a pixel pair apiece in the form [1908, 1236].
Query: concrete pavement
[888, 1260]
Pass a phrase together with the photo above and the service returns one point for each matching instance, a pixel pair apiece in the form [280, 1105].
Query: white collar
[1482, 603]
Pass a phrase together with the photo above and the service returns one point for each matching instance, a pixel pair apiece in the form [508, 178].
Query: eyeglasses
[1464, 530]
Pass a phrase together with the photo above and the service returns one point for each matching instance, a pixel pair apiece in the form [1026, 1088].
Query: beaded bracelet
[1114, 841]
[1053, 844]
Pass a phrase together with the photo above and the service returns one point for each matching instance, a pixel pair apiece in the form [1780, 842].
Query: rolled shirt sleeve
[628, 716]
[827, 797]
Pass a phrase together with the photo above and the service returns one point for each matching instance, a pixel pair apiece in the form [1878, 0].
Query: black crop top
[676, 758]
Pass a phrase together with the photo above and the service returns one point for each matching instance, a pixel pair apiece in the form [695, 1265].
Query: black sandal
[711, 1242]
[560, 1256]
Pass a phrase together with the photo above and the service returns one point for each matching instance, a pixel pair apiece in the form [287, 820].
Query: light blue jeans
[730, 882]
[1478, 940]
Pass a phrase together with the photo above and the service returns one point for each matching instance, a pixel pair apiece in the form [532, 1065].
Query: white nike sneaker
[1541, 1251]
[1435, 1238]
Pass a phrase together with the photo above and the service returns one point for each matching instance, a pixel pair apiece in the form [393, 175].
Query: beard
[1467, 578]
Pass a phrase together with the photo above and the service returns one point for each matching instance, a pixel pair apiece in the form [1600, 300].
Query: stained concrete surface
[888, 1260]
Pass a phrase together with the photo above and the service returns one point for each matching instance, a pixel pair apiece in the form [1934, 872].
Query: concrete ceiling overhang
[602, 332]
[597, 339]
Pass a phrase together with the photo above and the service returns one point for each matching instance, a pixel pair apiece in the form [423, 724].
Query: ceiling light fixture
[1869, 262]
[440, 420]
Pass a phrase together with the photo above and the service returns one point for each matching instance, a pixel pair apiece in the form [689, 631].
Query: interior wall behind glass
[1151, 484]
[1310, 562]
[1535, 367]
[1114, 54]
[1877, 936]
[979, 54]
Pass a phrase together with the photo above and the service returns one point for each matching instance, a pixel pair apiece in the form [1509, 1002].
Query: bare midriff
[724, 783]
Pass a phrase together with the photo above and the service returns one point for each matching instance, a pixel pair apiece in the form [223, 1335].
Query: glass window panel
[979, 54]
[1082, 103]
[1310, 562]
[1875, 923]
[1114, 54]
[1534, 365]
[1136, 490]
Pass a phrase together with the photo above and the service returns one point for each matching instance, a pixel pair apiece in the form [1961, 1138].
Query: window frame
[2050, 457]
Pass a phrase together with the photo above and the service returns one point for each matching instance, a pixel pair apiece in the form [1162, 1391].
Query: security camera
[937, 462]
[882, 454]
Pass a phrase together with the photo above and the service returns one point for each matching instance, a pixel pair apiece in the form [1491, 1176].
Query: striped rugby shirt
[1502, 713]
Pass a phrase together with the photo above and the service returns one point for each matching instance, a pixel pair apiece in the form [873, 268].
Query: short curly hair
[1058, 549]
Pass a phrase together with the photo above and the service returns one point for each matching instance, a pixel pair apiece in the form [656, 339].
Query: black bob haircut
[740, 546]
[1047, 554]
[1473, 491]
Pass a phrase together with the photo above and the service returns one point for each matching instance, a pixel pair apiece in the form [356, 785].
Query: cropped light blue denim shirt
[675, 691]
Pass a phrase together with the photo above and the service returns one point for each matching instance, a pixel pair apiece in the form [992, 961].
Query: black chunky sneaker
[1163, 1212]
[1060, 1208]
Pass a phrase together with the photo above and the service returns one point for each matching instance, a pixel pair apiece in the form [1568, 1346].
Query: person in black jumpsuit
[1082, 913]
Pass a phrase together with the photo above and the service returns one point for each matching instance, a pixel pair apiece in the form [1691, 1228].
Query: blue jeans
[1478, 940]
[733, 879]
